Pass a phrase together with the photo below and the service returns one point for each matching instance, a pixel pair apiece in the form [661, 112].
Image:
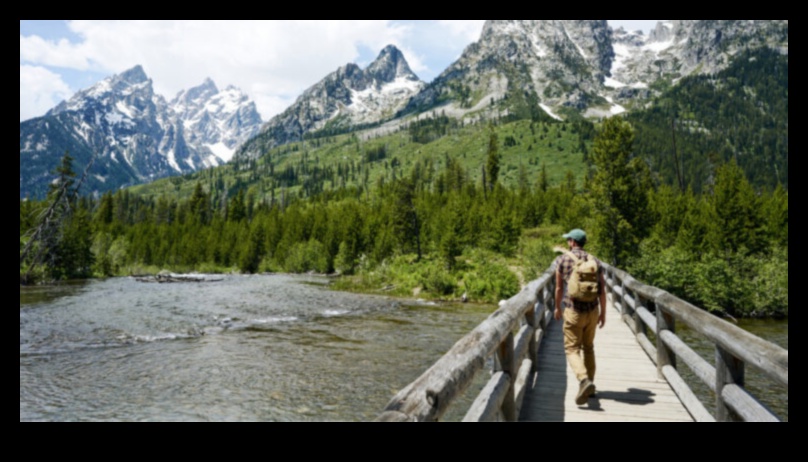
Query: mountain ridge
[534, 69]
[133, 134]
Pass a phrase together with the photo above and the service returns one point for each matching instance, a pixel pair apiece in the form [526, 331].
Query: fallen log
[164, 279]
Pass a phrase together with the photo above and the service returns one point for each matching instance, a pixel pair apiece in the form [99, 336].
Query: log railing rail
[646, 308]
[514, 333]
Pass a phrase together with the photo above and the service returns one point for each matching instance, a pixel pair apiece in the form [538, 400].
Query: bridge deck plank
[628, 386]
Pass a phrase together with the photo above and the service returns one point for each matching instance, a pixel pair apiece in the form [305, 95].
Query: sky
[273, 62]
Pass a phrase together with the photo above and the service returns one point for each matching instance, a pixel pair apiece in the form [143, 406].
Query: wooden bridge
[638, 355]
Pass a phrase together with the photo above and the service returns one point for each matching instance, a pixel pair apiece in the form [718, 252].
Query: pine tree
[619, 190]
[61, 242]
[492, 161]
[544, 183]
[777, 217]
[691, 237]
[736, 220]
[237, 210]
[405, 221]
[199, 205]
[106, 210]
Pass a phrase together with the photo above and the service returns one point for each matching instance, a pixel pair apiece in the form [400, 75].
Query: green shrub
[307, 256]
[537, 256]
[488, 280]
[438, 281]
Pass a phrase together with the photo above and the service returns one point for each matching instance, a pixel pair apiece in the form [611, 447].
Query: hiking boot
[586, 390]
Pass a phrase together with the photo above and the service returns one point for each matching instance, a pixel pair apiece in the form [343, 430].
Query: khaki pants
[579, 342]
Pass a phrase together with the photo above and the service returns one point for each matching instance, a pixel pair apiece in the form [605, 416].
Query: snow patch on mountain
[347, 97]
[134, 135]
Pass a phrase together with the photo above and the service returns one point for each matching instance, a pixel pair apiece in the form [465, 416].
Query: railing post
[532, 318]
[728, 370]
[665, 356]
[609, 276]
[506, 361]
[639, 327]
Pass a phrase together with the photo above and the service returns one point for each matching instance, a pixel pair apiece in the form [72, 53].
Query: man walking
[580, 284]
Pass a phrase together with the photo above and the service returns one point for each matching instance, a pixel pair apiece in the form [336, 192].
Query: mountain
[519, 69]
[220, 121]
[676, 49]
[345, 99]
[134, 134]
[694, 104]
[571, 67]
[529, 63]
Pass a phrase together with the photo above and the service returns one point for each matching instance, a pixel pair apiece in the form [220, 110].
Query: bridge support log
[508, 363]
[729, 371]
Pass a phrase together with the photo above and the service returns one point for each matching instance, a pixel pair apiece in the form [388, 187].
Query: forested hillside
[445, 234]
[420, 149]
[738, 114]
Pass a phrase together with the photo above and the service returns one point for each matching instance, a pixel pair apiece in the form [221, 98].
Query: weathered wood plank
[647, 346]
[648, 318]
[590, 416]
[488, 404]
[701, 368]
[521, 384]
[693, 405]
[508, 363]
[522, 344]
[746, 406]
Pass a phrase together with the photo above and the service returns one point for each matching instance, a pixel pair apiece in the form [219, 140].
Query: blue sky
[272, 61]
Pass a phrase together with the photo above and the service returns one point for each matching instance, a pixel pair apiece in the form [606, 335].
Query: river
[247, 348]
[274, 348]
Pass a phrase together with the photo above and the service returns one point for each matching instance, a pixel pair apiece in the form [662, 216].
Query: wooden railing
[513, 333]
[645, 308]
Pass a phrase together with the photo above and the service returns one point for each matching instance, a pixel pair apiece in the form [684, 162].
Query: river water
[246, 348]
[273, 348]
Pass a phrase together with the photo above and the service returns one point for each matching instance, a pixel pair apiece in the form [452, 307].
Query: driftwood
[164, 279]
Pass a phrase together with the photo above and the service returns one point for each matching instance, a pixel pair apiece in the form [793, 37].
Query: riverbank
[478, 277]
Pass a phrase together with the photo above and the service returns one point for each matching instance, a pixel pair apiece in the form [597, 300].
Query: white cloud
[40, 90]
[272, 61]
[466, 30]
[36, 50]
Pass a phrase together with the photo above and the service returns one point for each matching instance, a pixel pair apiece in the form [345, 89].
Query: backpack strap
[569, 253]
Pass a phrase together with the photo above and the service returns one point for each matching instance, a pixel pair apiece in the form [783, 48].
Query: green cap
[577, 235]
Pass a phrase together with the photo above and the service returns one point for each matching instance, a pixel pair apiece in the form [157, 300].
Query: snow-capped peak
[217, 121]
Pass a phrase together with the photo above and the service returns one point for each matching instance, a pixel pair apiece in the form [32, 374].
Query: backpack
[583, 283]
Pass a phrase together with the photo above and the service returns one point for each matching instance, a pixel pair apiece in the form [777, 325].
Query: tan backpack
[583, 283]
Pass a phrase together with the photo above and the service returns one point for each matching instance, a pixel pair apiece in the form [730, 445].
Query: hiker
[579, 282]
